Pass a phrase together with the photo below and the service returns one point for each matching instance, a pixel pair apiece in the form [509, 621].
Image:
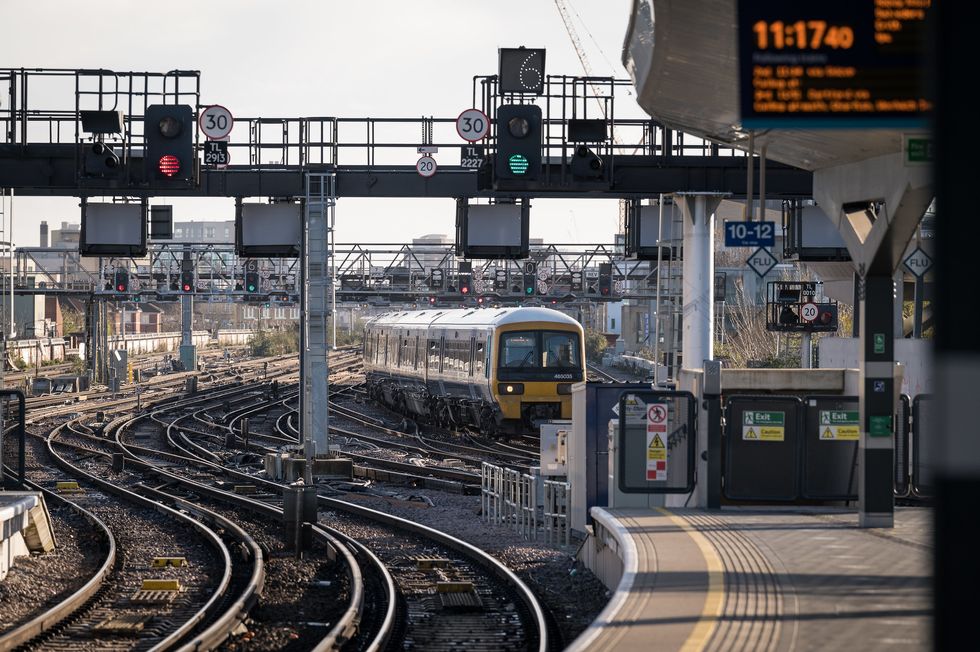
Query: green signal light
[518, 164]
[529, 290]
[251, 288]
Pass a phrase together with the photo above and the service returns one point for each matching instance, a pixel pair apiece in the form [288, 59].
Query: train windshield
[540, 352]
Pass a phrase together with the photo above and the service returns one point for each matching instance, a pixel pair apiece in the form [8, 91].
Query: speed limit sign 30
[472, 125]
[216, 122]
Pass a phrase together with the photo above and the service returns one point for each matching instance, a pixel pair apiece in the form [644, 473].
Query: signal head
[170, 127]
[519, 127]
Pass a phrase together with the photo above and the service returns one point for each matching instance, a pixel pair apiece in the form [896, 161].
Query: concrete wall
[158, 342]
[915, 356]
[55, 348]
[36, 351]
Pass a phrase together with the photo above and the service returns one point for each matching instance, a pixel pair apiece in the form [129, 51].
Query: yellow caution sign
[763, 425]
[840, 425]
[656, 457]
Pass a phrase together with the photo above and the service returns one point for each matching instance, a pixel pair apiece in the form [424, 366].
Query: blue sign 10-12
[750, 234]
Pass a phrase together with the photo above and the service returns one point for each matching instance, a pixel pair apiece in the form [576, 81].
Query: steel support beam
[317, 288]
[52, 170]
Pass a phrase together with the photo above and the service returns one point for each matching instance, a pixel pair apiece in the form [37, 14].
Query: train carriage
[496, 369]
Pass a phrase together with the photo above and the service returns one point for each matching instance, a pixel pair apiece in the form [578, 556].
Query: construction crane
[596, 91]
[584, 60]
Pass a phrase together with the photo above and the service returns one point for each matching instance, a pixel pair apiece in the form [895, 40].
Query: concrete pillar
[876, 503]
[697, 344]
[877, 204]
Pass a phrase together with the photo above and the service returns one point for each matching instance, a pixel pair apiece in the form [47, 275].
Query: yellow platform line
[715, 598]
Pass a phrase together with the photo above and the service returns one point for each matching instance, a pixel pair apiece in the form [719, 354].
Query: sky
[292, 58]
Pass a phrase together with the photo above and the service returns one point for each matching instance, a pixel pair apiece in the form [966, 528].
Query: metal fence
[509, 497]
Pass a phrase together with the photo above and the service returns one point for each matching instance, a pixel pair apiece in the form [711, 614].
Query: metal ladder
[6, 274]
[670, 307]
[318, 297]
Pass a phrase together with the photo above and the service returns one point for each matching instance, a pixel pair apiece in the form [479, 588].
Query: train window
[407, 357]
[434, 355]
[519, 349]
[479, 359]
[560, 349]
[539, 349]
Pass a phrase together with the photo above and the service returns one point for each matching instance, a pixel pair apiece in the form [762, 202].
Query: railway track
[410, 585]
[481, 582]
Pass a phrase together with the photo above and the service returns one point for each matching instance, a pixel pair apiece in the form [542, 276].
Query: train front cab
[535, 365]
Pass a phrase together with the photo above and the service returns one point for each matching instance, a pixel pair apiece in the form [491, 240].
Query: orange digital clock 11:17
[802, 34]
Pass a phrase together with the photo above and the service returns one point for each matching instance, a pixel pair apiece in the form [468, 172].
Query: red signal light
[120, 288]
[465, 289]
[605, 290]
[169, 165]
[187, 288]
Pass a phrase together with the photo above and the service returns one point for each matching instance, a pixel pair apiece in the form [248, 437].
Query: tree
[747, 340]
[595, 344]
[72, 321]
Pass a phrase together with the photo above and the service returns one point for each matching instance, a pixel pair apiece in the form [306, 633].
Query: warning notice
[763, 426]
[656, 457]
[656, 417]
[656, 434]
[839, 425]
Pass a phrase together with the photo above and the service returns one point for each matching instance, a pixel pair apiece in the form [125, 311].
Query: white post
[699, 275]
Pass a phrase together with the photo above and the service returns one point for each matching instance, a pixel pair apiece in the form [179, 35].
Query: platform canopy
[682, 57]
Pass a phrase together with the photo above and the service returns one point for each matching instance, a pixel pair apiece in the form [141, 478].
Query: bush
[266, 343]
[77, 365]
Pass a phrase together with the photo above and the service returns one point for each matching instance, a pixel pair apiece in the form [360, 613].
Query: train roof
[471, 317]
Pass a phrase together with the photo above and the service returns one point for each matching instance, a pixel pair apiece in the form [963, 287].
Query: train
[501, 371]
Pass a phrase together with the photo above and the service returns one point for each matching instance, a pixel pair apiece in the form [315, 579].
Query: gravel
[40, 581]
[571, 592]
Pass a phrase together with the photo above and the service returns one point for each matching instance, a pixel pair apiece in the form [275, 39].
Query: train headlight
[510, 389]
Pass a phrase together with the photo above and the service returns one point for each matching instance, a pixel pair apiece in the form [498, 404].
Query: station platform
[24, 527]
[759, 579]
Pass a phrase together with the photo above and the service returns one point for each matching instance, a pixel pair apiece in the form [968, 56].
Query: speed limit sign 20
[809, 311]
[426, 166]
[472, 125]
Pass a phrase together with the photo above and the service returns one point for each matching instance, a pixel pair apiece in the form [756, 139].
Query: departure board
[834, 63]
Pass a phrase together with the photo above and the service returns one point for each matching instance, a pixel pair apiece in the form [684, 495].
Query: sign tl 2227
[750, 234]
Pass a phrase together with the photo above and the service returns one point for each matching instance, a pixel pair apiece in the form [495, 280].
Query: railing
[275, 142]
[536, 508]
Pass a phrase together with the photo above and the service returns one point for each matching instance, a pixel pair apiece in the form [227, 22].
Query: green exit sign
[917, 150]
